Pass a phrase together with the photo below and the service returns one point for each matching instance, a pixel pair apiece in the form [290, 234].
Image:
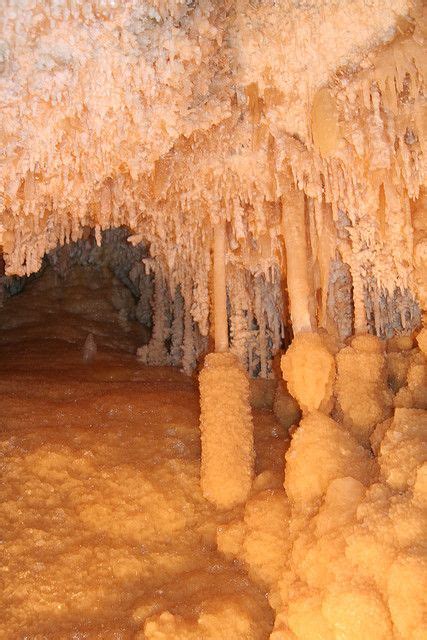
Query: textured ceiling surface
[170, 116]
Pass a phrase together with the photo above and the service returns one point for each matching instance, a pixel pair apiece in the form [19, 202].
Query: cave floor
[102, 521]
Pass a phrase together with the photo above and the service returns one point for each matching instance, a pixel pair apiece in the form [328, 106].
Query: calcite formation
[227, 464]
[265, 162]
[356, 489]
[361, 387]
[310, 371]
[298, 125]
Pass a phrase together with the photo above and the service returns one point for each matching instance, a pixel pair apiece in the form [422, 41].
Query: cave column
[227, 461]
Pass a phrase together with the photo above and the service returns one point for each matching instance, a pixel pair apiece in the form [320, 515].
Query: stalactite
[340, 299]
[176, 352]
[294, 232]
[220, 292]
[325, 254]
[144, 282]
[155, 352]
[360, 320]
[262, 327]
[239, 298]
[188, 346]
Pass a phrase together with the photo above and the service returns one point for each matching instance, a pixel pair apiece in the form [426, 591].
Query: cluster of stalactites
[186, 126]
[180, 335]
[329, 293]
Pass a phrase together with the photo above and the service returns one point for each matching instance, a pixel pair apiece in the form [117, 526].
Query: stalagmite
[89, 348]
[322, 446]
[226, 431]
[309, 370]
[362, 394]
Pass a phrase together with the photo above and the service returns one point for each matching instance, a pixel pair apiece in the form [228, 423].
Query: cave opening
[82, 289]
